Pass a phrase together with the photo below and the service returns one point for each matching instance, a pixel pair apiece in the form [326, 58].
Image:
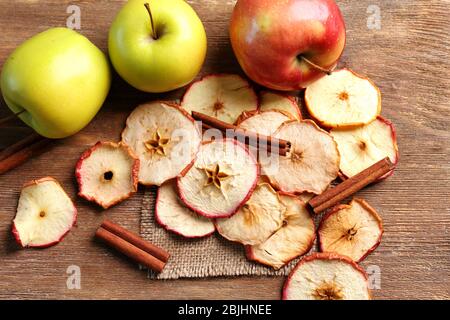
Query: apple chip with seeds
[264, 122]
[164, 137]
[45, 214]
[363, 146]
[173, 215]
[352, 230]
[107, 173]
[326, 276]
[269, 100]
[222, 96]
[295, 237]
[311, 165]
[256, 220]
[343, 99]
[221, 179]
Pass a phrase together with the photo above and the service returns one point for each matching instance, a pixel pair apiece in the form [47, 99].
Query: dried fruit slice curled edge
[256, 220]
[294, 238]
[363, 146]
[45, 214]
[353, 230]
[264, 122]
[164, 137]
[277, 101]
[171, 213]
[222, 96]
[221, 179]
[326, 276]
[311, 165]
[343, 99]
[107, 173]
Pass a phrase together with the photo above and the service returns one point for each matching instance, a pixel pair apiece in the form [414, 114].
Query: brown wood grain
[408, 58]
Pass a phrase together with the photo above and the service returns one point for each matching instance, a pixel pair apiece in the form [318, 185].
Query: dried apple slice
[343, 99]
[264, 122]
[352, 230]
[363, 146]
[311, 165]
[223, 96]
[107, 173]
[164, 137]
[269, 100]
[326, 276]
[45, 214]
[221, 179]
[293, 239]
[256, 220]
[173, 215]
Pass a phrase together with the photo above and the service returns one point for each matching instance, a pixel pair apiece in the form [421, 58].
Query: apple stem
[154, 35]
[11, 117]
[315, 66]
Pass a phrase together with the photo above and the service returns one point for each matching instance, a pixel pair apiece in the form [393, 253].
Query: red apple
[286, 45]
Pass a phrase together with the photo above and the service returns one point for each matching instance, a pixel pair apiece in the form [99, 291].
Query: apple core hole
[362, 145]
[42, 214]
[218, 105]
[343, 96]
[108, 175]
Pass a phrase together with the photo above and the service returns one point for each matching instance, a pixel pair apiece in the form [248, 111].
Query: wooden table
[408, 57]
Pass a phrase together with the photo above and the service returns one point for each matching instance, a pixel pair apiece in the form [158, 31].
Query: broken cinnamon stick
[135, 240]
[140, 256]
[249, 138]
[350, 186]
[21, 152]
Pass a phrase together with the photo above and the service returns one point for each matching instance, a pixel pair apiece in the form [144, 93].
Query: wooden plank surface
[408, 57]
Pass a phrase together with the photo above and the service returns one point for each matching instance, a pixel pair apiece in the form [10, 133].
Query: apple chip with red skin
[326, 276]
[222, 96]
[363, 146]
[256, 220]
[311, 165]
[264, 122]
[343, 99]
[221, 179]
[173, 215]
[269, 100]
[294, 238]
[107, 173]
[352, 230]
[45, 214]
[164, 137]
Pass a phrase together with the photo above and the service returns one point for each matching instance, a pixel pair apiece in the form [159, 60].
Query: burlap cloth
[213, 256]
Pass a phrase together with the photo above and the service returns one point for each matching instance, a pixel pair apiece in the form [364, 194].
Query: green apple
[159, 48]
[59, 78]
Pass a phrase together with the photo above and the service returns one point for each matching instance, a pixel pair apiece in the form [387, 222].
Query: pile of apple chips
[210, 183]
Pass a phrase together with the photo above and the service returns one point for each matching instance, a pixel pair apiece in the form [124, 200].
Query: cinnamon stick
[15, 159]
[28, 140]
[249, 138]
[135, 240]
[11, 117]
[350, 186]
[128, 249]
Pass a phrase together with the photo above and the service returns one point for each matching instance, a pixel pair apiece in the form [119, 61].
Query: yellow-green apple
[157, 46]
[58, 80]
[286, 45]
